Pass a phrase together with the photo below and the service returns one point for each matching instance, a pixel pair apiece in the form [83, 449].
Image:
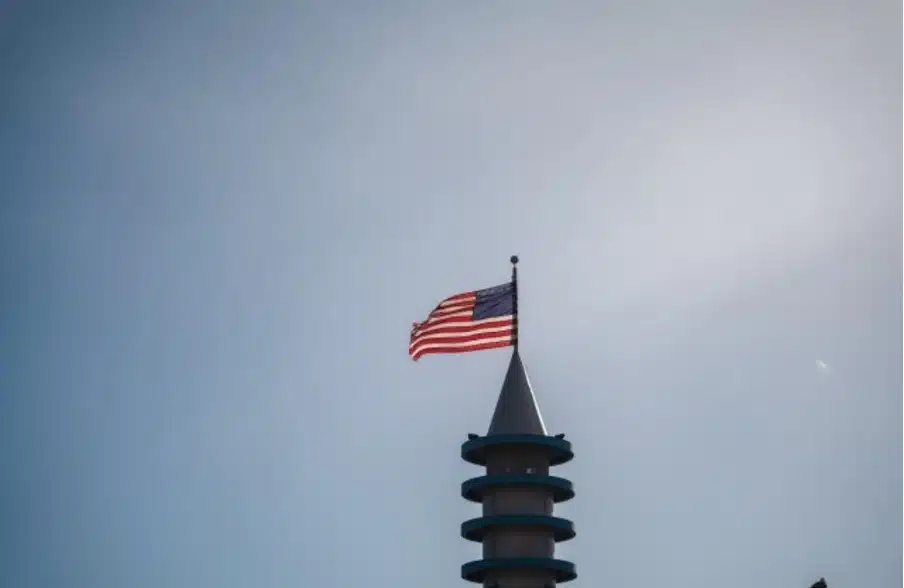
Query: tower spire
[516, 409]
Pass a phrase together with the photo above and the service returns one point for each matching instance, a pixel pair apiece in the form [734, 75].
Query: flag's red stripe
[463, 340]
[447, 310]
[476, 347]
[464, 327]
[463, 337]
[432, 322]
[462, 296]
[464, 331]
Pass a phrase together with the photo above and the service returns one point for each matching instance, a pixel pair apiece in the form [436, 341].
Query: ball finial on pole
[514, 259]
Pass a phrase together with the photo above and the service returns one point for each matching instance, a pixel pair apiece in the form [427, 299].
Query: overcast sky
[219, 219]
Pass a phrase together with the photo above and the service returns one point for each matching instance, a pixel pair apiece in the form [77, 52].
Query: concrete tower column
[518, 529]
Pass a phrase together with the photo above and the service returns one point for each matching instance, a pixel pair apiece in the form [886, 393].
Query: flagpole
[514, 260]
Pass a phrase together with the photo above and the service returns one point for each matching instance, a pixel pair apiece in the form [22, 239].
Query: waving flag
[470, 321]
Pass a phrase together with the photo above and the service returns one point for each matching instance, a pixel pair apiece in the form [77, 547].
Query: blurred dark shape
[820, 584]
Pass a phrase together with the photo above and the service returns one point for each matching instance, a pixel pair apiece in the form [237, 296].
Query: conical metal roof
[516, 410]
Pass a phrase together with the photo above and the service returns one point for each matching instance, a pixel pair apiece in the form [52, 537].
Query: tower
[518, 530]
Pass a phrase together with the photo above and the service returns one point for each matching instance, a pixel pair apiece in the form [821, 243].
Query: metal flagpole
[514, 260]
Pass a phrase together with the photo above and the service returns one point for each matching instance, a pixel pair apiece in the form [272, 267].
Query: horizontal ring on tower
[561, 529]
[475, 488]
[561, 570]
[558, 449]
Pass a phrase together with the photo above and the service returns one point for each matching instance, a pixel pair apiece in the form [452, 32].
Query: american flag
[470, 321]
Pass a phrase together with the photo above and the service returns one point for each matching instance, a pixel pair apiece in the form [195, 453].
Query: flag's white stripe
[476, 329]
[466, 321]
[463, 345]
[421, 349]
[461, 314]
[470, 333]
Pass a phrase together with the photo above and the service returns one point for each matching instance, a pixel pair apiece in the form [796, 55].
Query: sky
[218, 220]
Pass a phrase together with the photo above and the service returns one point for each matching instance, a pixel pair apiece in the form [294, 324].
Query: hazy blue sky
[219, 219]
